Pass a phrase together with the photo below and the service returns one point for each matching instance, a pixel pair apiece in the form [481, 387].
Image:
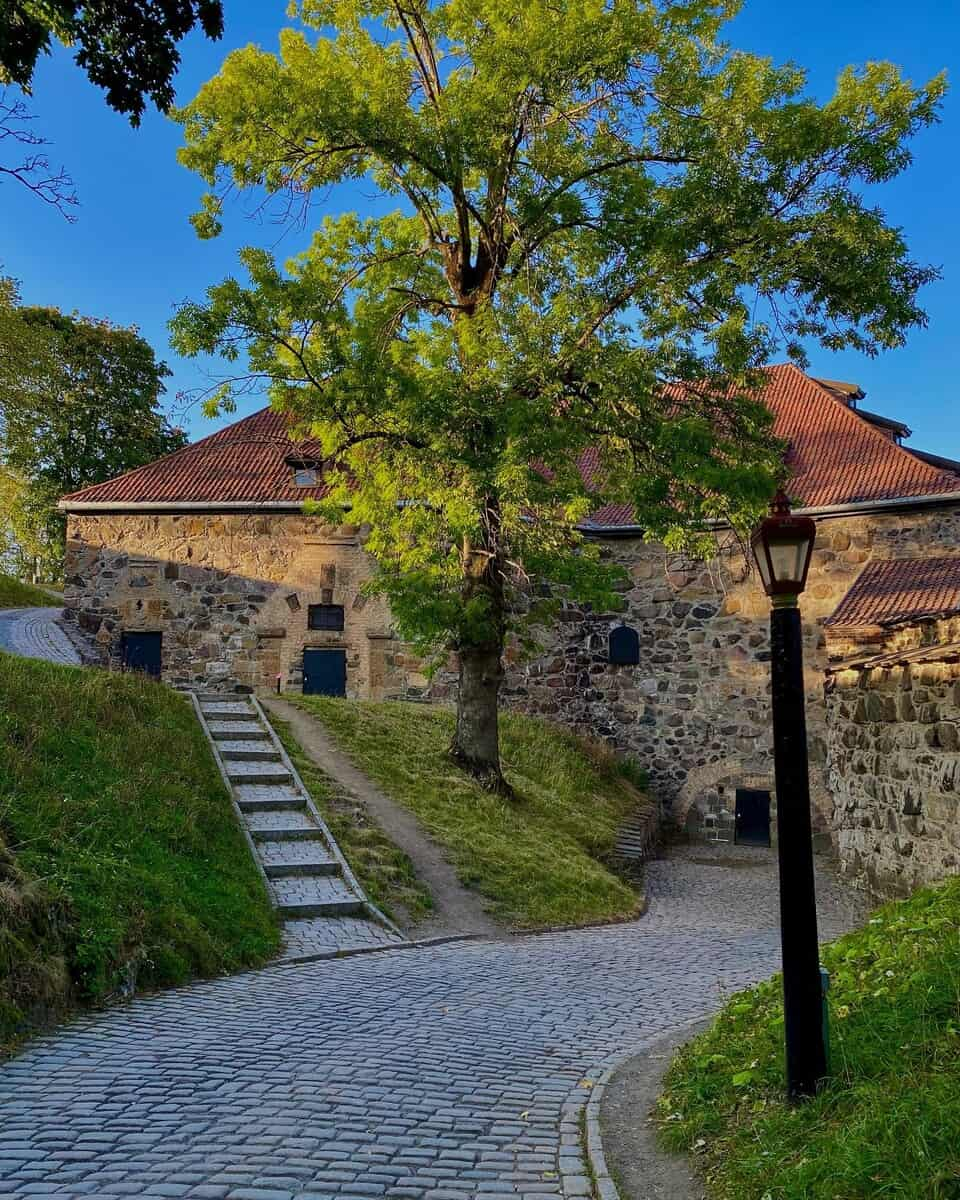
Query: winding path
[34, 633]
[435, 1074]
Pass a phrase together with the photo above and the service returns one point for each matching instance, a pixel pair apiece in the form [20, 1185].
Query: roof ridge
[871, 431]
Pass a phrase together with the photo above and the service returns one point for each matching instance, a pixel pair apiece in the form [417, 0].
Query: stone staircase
[323, 907]
[637, 836]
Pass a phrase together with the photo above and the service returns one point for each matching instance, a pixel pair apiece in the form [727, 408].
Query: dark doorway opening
[142, 652]
[324, 672]
[752, 818]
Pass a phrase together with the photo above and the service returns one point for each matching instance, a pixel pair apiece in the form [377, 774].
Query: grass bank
[121, 864]
[888, 1123]
[386, 874]
[14, 594]
[540, 859]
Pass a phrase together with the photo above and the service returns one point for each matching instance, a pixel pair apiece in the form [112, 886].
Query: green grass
[121, 863]
[887, 1126]
[14, 594]
[538, 859]
[386, 874]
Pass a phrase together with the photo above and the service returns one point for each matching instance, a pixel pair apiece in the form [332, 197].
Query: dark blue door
[324, 672]
[141, 652]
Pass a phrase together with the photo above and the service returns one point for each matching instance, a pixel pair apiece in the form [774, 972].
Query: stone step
[317, 896]
[229, 712]
[282, 825]
[290, 859]
[247, 750]
[286, 793]
[257, 772]
[271, 803]
[221, 698]
[240, 730]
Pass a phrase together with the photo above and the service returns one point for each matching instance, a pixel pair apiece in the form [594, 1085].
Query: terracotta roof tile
[245, 462]
[893, 591]
[836, 458]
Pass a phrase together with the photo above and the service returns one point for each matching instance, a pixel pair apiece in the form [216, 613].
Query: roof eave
[826, 510]
[185, 506]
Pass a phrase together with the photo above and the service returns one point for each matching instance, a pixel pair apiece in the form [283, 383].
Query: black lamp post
[782, 547]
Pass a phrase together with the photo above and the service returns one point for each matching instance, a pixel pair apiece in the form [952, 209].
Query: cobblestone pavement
[434, 1074]
[34, 633]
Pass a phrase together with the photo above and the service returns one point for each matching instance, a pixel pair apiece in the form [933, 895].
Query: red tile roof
[893, 591]
[836, 458]
[245, 462]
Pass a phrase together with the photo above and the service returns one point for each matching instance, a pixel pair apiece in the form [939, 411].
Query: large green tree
[79, 403]
[587, 223]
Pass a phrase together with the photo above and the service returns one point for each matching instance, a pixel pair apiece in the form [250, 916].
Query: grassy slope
[539, 858]
[888, 1124]
[14, 594]
[385, 872]
[124, 865]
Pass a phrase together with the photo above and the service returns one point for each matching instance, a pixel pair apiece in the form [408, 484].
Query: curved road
[440, 1073]
[34, 633]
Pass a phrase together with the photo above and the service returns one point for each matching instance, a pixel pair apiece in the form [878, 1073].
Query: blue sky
[132, 255]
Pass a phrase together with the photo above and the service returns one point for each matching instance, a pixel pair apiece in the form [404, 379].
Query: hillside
[15, 594]
[540, 859]
[888, 1122]
[121, 865]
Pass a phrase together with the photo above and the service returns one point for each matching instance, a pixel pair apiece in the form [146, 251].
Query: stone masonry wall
[695, 712]
[230, 593]
[893, 759]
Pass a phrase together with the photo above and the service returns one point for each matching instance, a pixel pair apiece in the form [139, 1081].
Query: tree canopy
[594, 221]
[79, 403]
[127, 47]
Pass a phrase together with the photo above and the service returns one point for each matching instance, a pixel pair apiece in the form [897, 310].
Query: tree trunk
[476, 743]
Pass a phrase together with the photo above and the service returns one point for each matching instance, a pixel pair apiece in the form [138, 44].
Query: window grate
[325, 616]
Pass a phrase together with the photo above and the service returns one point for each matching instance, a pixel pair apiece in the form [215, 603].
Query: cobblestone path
[439, 1073]
[34, 633]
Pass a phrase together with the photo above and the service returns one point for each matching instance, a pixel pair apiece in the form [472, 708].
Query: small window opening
[306, 471]
[325, 616]
[624, 646]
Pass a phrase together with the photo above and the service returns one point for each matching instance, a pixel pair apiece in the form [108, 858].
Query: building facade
[203, 567]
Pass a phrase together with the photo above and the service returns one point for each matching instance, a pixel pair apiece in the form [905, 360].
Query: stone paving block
[385, 1071]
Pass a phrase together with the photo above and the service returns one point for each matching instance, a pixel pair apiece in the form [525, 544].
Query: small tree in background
[79, 403]
[578, 203]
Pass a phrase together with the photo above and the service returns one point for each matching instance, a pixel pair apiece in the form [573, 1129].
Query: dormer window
[306, 471]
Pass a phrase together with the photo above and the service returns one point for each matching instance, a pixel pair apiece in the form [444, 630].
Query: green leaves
[78, 405]
[603, 220]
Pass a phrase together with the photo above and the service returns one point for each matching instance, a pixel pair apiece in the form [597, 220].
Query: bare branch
[53, 187]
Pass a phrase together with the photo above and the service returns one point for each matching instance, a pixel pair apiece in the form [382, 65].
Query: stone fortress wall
[230, 593]
[893, 759]
[695, 712]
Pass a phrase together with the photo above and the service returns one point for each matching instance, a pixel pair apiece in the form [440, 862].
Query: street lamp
[782, 546]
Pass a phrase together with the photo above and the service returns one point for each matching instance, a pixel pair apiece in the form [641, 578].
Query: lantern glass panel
[760, 554]
[787, 559]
